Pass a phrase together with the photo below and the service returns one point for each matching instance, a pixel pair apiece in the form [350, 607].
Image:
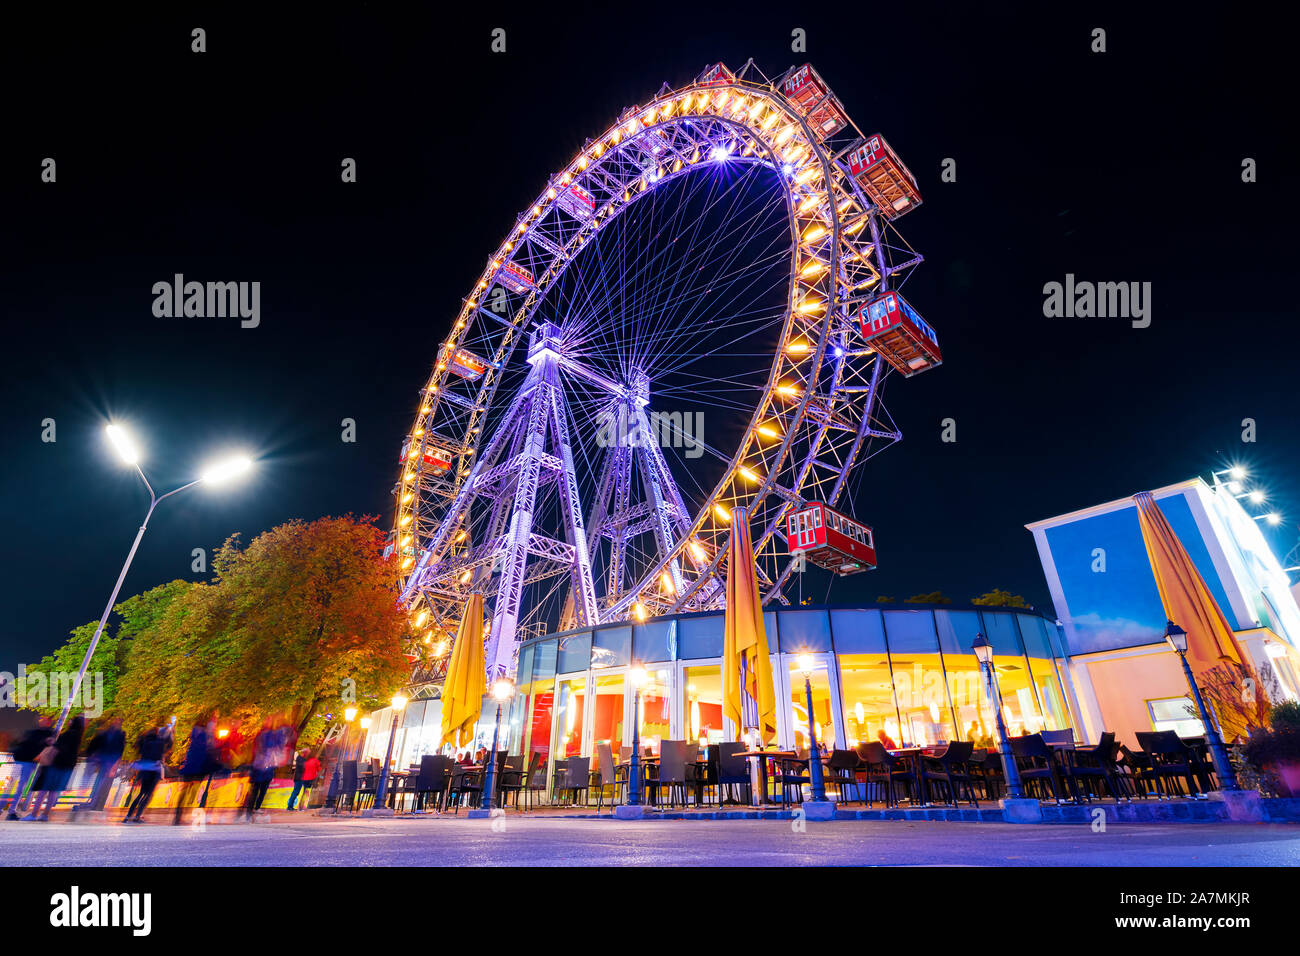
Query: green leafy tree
[883, 599]
[1000, 598]
[934, 597]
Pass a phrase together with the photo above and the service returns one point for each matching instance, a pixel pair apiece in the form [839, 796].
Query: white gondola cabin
[577, 202]
[883, 177]
[899, 334]
[813, 100]
[830, 540]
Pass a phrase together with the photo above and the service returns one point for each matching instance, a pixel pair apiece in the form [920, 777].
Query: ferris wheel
[691, 325]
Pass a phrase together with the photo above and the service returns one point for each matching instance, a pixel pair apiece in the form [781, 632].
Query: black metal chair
[733, 772]
[1172, 762]
[841, 773]
[791, 775]
[465, 786]
[1036, 765]
[515, 777]
[880, 770]
[951, 768]
[672, 778]
[347, 785]
[609, 777]
[1091, 766]
[431, 780]
[364, 795]
[577, 778]
[985, 767]
[1138, 765]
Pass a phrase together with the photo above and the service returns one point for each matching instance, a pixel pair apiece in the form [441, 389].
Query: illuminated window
[1176, 714]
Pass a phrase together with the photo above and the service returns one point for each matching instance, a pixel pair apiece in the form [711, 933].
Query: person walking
[104, 752]
[266, 757]
[195, 768]
[57, 761]
[306, 769]
[26, 753]
[151, 746]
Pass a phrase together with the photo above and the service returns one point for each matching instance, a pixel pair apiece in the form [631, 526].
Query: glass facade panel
[823, 712]
[611, 647]
[607, 718]
[858, 632]
[703, 699]
[570, 710]
[699, 637]
[656, 707]
[1034, 636]
[920, 692]
[868, 698]
[969, 698]
[541, 704]
[653, 641]
[574, 653]
[544, 659]
[803, 632]
[957, 630]
[1000, 628]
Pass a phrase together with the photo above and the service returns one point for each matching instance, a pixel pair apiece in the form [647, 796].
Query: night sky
[1122, 166]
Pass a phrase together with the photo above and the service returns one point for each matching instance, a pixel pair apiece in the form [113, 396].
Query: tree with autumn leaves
[303, 621]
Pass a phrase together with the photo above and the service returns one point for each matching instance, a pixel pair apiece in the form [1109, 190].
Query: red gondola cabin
[716, 75]
[883, 177]
[831, 540]
[813, 100]
[898, 334]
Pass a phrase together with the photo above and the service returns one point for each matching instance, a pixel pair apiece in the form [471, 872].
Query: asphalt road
[519, 841]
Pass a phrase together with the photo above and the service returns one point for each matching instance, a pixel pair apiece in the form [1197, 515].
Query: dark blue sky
[1123, 166]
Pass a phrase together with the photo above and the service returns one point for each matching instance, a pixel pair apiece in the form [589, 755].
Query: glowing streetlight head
[122, 442]
[365, 723]
[349, 714]
[1256, 497]
[503, 689]
[1236, 471]
[637, 675]
[225, 470]
[805, 663]
[1273, 518]
[399, 701]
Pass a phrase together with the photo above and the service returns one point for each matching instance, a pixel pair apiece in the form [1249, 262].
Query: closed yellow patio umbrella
[1187, 601]
[744, 639]
[465, 684]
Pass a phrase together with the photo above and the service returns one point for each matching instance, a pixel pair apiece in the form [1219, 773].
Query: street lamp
[502, 690]
[331, 800]
[637, 676]
[381, 791]
[1177, 639]
[806, 663]
[983, 649]
[130, 454]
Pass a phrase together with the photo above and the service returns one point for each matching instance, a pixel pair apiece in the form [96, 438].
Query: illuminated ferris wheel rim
[748, 122]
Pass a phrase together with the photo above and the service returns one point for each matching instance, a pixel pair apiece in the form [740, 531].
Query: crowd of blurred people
[44, 762]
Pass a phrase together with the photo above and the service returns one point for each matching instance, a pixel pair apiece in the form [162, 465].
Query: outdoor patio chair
[347, 785]
[535, 781]
[950, 768]
[1172, 761]
[672, 777]
[791, 776]
[1036, 765]
[431, 781]
[1058, 738]
[577, 778]
[841, 773]
[880, 769]
[514, 777]
[465, 786]
[985, 767]
[1140, 772]
[1090, 767]
[610, 779]
[733, 773]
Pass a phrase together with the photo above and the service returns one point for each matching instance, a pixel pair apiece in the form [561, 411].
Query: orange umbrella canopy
[466, 683]
[1211, 643]
[744, 638]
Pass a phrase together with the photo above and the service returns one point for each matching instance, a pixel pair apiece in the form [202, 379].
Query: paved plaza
[549, 841]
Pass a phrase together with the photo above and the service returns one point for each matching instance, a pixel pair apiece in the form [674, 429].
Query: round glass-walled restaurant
[907, 673]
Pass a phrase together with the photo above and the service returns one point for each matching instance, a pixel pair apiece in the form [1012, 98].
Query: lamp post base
[1243, 806]
[629, 811]
[377, 812]
[818, 809]
[1021, 810]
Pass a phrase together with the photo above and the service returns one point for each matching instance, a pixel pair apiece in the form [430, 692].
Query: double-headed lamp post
[349, 715]
[1177, 639]
[129, 453]
[502, 690]
[806, 665]
[983, 649]
[637, 676]
[399, 702]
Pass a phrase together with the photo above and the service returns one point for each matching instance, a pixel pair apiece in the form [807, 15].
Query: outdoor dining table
[762, 796]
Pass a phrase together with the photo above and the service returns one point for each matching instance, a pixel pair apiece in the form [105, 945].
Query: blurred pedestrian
[151, 747]
[195, 768]
[306, 769]
[268, 753]
[26, 753]
[104, 752]
[57, 761]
